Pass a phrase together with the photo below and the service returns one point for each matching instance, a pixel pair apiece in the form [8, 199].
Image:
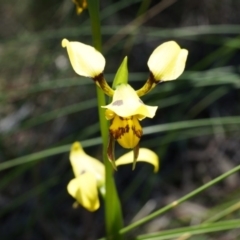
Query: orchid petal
[126, 103]
[167, 62]
[81, 163]
[145, 155]
[86, 60]
[84, 190]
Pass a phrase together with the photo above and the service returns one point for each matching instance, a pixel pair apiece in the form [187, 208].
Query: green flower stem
[179, 201]
[93, 8]
[113, 212]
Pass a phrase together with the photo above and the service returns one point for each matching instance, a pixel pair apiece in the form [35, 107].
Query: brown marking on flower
[152, 79]
[82, 172]
[126, 118]
[118, 103]
[101, 82]
[99, 78]
[148, 86]
[137, 132]
[120, 131]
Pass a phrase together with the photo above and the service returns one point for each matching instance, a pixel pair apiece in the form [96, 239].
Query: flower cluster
[166, 63]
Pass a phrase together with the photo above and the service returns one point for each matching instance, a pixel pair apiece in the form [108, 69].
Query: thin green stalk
[93, 7]
[179, 201]
[223, 213]
[194, 230]
[113, 212]
[213, 219]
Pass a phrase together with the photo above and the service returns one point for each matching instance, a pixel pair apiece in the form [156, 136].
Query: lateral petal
[145, 155]
[167, 62]
[85, 60]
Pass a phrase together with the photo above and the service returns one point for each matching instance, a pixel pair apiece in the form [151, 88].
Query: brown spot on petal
[101, 82]
[137, 132]
[152, 79]
[126, 118]
[82, 172]
[120, 131]
[118, 103]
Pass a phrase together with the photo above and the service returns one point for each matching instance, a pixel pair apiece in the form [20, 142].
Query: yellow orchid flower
[125, 111]
[89, 174]
[167, 62]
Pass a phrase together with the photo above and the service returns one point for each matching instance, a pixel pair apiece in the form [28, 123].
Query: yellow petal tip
[64, 42]
[133, 166]
[76, 146]
[114, 165]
